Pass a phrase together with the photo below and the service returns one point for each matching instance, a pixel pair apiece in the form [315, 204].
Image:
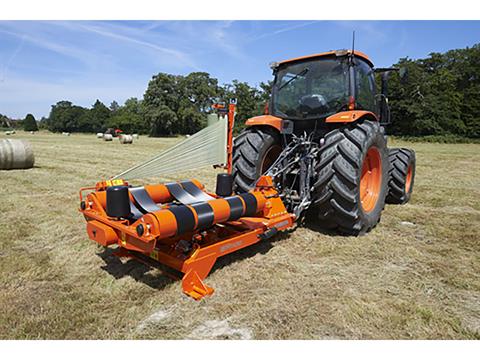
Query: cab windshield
[311, 89]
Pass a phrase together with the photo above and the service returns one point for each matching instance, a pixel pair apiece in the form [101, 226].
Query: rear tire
[254, 150]
[352, 175]
[401, 175]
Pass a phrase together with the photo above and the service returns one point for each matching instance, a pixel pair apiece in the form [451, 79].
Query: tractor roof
[329, 53]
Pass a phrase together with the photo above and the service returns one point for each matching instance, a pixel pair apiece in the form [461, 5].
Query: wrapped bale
[16, 154]
[126, 139]
[107, 137]
[99, 135]
[66, 133]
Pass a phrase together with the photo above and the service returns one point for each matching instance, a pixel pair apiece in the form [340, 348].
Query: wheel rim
[408, 181]
[371, 179]
[270, 156]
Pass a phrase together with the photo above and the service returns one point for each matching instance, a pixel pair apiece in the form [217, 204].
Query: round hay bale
[107, 137]
[126, 139]
[99, 135]
[16, 154]
[135, 136]
[66, 133]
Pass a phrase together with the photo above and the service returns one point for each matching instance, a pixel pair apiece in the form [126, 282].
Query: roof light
[342, 52]
[273, 65]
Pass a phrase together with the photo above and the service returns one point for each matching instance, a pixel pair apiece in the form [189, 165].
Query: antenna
[353, 42]
[351, 57]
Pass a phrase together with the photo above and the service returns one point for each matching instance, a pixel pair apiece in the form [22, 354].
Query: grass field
[415, 276]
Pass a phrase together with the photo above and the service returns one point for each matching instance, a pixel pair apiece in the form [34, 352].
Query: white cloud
[283, 30]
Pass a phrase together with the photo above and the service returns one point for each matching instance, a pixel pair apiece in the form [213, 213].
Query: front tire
[352, 175]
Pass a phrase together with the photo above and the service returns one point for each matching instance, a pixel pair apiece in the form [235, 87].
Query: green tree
[5, 122]
[114, 106]
[163, 120]
[161, 101]
[30, 124]
[99, 115]
[130, 117]
[440, 97]
[64, 116]
[182, 102]
[248, 101]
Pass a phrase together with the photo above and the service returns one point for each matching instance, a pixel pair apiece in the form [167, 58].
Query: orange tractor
[321, 154]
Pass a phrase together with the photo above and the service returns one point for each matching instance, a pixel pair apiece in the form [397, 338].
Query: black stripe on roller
[195, 191]
[236, 207]
[135, 214]
[180, 194]
[143, 201]
[250, 204]
[204, 214]
[185, 218]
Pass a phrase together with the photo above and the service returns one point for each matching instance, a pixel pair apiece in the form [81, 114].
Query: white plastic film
[206, 147]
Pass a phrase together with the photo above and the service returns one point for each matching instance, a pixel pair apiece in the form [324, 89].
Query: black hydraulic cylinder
[118, 202]
[224, 185]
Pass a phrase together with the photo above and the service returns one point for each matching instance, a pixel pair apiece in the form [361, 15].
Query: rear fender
[351, 116]
[267, 120]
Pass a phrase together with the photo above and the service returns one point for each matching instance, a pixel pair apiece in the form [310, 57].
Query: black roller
[195, 191]
[118, 202]
[224, 185]
[181, 195]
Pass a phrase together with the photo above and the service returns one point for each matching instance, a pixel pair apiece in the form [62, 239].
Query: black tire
[249, 151]
[399, 189]
[337, 204]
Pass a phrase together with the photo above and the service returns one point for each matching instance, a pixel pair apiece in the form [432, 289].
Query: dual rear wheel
[355, 173]
[352, 179]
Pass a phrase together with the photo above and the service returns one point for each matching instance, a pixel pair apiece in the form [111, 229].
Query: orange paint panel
[328, 53]
[349, 116]
[135, 244]
[268, 120]
[101, 233]
[102, 198]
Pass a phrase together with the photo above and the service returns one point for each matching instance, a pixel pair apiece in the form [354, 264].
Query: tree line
[172, 104]
[440, 96]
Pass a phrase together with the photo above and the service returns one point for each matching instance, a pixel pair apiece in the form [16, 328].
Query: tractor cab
[319, 86]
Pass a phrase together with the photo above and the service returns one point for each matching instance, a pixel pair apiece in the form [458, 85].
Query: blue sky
[44, 62]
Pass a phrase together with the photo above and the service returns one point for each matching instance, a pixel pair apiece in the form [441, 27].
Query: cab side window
[365, 87]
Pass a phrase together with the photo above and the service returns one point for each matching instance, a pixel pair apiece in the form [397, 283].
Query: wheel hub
[371, 179]
[408, 180]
